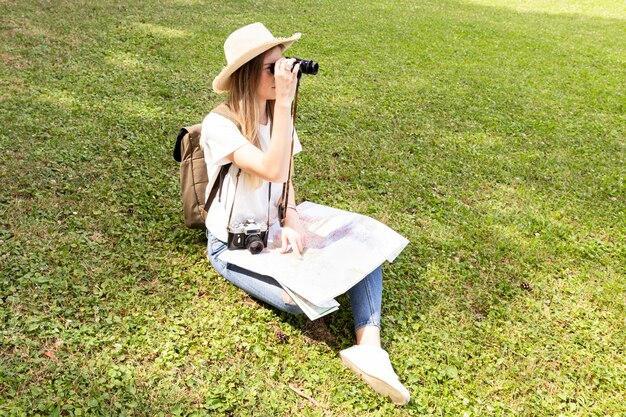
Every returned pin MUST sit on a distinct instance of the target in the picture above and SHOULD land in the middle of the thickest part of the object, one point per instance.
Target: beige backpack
(194, 178)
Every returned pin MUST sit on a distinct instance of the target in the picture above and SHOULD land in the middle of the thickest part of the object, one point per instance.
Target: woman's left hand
(293, 234)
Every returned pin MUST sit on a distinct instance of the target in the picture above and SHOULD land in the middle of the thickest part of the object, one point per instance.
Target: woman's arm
(273, 165)
(293, 232)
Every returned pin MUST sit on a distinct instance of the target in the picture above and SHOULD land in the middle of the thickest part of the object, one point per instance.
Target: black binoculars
(306, 66)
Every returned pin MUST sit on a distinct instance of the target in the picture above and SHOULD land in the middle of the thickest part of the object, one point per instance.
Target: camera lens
(254, 244)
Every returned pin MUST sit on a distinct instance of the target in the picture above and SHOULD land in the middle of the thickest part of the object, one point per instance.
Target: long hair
(242, 101)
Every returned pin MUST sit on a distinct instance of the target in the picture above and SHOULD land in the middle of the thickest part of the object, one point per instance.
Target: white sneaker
(372, 364)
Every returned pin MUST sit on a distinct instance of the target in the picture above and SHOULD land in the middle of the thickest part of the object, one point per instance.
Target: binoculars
(306, 67)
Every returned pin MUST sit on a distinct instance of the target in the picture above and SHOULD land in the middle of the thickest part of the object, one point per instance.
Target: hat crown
(244, 39)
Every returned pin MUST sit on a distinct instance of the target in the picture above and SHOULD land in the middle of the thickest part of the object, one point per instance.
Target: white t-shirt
(219, 138)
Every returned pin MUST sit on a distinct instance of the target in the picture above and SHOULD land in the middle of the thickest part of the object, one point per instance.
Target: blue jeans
(365, 297)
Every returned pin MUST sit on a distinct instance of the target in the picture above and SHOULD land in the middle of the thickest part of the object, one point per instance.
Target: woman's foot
(372, 364)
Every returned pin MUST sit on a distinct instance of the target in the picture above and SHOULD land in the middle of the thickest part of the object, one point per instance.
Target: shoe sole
(378, 385)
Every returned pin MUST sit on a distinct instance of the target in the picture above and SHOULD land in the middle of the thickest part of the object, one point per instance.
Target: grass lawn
(490, 133)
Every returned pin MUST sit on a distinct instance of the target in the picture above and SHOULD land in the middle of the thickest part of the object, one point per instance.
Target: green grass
(491, 134)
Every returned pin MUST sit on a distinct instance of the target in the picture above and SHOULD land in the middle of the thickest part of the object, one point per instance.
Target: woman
(255, 137)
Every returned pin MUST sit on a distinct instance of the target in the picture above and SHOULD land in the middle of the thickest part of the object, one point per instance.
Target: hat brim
(221, 83)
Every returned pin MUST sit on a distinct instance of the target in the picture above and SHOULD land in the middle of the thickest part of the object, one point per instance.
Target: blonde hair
(242, 101)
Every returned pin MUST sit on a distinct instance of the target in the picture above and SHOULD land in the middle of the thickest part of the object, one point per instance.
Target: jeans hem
(366, 323)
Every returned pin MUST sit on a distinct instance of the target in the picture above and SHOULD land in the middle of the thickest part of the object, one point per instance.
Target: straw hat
(244, 44)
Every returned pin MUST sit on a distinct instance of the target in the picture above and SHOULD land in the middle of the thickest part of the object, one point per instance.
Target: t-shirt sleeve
(221, 137)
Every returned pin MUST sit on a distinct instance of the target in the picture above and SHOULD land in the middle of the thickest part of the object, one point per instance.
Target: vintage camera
(306, 67)
(248, 235)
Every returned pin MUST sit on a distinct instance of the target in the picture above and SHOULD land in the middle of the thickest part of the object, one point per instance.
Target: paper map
(341, 249)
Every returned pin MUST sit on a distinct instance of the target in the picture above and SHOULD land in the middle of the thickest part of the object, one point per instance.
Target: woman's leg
(261, 287)
(366, 301)
(367, 359)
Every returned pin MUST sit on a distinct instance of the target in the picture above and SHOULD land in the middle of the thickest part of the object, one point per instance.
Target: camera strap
(284, 197)
(269, 197)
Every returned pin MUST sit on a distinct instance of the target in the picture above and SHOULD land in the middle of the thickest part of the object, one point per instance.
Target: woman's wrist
(283, 104)
(292, 213)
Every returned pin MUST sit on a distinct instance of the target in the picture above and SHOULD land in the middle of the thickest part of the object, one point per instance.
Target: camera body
(306, 67)
(248, 235)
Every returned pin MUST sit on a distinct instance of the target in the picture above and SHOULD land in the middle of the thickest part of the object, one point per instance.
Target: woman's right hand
(293, 234)
(286, 80)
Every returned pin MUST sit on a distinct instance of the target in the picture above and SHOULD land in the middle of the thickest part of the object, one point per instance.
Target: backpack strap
(216, 186)
(224, 110)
